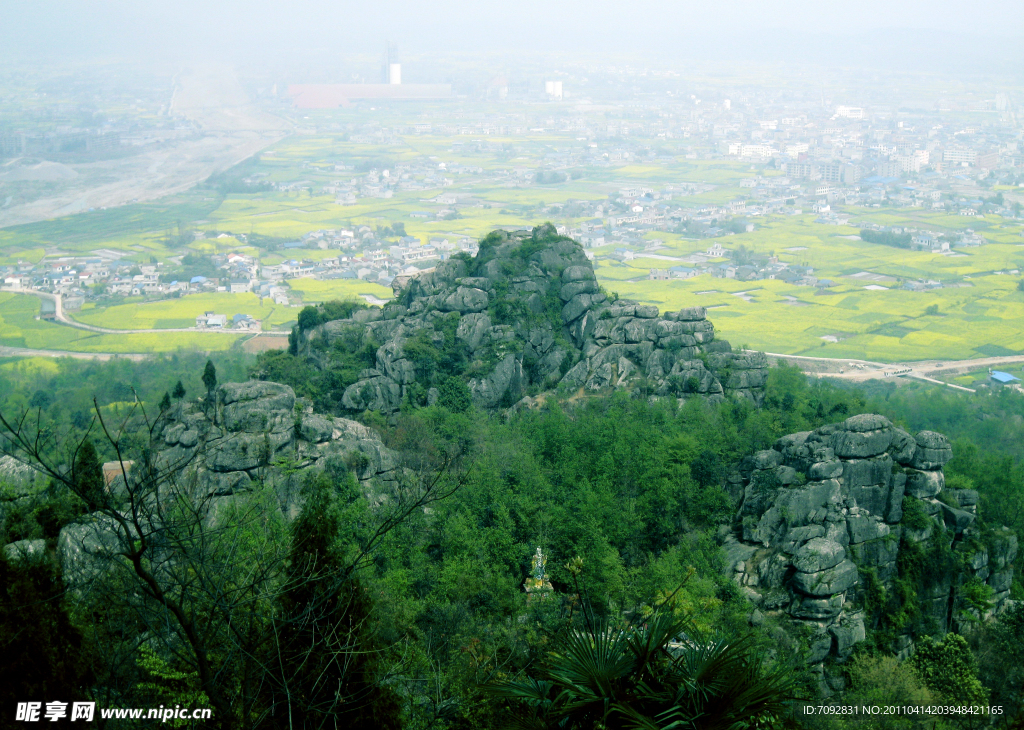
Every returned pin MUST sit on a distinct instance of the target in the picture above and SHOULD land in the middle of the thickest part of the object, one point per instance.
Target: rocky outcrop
(821, 523)
(259, 431)
(252, 437)
(526, 315)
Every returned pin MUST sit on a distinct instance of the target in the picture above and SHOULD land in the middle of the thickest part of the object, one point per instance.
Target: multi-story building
(959, 155)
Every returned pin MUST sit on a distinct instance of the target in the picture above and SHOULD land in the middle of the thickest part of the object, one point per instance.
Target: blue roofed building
(1003, 378)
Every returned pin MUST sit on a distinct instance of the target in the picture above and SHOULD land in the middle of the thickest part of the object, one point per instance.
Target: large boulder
(25, 551)
(827, 582)
(862, 436)
(933, 450)
(922, 484)
(86, 548)
(817, 554)
(254, 405)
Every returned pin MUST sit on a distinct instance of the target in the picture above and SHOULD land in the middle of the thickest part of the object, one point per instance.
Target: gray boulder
(374, 394)
(865, 527)
(827, 582)
(816, 609)
(255, 405)
(873, 553)
(860, 444)
(818, 554)
(903, 447)
(86, 548)
(849, 632)
(922, 484)
(28, 551)
(825, 470)
(933, 451)
(956, 520)
(797, 536)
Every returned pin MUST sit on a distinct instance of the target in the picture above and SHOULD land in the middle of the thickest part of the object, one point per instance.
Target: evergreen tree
(41, 648)
(87, 475)
(328, 652)
(454, 395)
(179, 391)
(949, 670)
(210, 377)
(165, 402)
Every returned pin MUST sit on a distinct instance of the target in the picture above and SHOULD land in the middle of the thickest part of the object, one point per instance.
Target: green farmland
(177, 313)
(977, 311)
(20, 328)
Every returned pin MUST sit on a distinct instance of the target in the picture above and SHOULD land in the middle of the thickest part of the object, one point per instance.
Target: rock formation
(821, 524)
(253, 434)
(525, 315)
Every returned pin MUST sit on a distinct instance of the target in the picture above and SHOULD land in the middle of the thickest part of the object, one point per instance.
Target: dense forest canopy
(624, 495)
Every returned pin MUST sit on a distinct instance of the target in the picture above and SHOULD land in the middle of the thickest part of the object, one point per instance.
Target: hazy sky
(928, 32)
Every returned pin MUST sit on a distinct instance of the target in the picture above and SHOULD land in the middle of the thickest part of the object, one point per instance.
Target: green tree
(883, 681)
(1000, 655)
(453, 394)
(210, 377)
(87, 475)
(41, 648)
(328, 654)
(165, 402)
(179, 391)
(949, 670)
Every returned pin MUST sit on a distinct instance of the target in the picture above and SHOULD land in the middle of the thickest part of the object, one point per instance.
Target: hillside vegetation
(287, 559)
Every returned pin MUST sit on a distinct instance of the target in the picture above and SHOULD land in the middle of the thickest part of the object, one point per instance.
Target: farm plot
(20, 328)
(177, 313)
(316, 290)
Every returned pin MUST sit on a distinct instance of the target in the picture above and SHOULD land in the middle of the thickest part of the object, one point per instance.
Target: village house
(210, 320)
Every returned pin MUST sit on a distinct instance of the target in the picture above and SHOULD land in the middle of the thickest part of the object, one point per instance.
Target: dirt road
(861, 370)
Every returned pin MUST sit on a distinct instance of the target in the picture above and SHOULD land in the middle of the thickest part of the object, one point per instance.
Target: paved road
(103, 356)
(63, 318)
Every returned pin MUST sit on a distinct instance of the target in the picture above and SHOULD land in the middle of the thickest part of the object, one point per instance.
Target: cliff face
(526, 315)
(831, 520)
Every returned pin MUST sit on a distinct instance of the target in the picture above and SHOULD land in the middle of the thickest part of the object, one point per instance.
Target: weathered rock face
(259, 431)
(525, 315)
(821, 515)
(254, 434)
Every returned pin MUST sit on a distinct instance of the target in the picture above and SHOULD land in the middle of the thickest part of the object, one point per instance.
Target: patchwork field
(20, 328)
(173, 313)
(865, 313)
(886, 325)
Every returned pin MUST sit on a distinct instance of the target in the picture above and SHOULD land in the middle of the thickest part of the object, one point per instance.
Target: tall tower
(391, 71)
